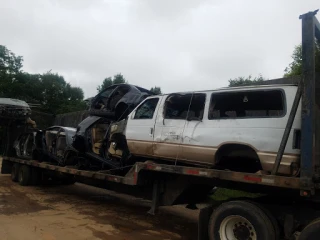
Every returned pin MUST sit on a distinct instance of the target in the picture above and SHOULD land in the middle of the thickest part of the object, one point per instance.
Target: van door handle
(151, 131)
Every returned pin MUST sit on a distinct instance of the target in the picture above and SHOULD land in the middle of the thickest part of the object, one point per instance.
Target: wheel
(69, 180)
(15, 172)
(24, 175)
(240, 220)
(272, 219)
(311, 231)
(70, 160)
(35, 176)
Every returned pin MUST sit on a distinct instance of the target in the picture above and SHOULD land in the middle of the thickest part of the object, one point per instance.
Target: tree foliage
(156, 90)
(107, 82)
(49, 90)
(245, 81)
(295, 67)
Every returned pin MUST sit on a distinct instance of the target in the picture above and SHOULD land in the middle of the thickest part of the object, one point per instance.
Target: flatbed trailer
(288, 206)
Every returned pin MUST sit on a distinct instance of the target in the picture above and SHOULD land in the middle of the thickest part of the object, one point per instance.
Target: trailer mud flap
(204, 217)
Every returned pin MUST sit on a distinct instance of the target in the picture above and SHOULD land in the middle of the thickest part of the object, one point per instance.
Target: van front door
(170, 123)
(140, 127)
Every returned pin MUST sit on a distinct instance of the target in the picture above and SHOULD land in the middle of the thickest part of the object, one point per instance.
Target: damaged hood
(13, 109)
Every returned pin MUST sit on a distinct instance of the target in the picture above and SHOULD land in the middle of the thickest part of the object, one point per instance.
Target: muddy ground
(79, 211)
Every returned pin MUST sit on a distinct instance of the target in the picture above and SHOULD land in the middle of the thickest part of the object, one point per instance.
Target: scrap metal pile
(87, 146)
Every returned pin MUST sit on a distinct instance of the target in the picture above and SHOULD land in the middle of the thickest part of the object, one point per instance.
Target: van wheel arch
(237, 157)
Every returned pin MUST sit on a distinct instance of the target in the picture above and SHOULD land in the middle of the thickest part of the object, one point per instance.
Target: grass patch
(223, 194)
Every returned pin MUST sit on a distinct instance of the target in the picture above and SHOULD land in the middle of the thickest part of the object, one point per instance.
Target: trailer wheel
(69, 180)
(15, 172)
(24, 175)
(311, 231)
(35, 176)
(272, 219)
(240, 220)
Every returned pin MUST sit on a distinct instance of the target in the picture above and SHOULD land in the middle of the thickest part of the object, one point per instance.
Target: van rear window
(247, 104)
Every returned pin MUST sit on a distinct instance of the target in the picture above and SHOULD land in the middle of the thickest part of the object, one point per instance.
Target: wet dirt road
(82, 212)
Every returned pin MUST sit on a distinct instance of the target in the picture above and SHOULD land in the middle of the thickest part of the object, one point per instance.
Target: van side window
(247, 104)
(185, 106)
(146, 110)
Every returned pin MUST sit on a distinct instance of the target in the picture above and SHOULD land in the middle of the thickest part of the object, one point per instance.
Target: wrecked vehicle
(57, 140)
(13, 110)
(25, 145)
(90, 143)
(235, 128)
(49, 145)
(91, 138)
(117, 101)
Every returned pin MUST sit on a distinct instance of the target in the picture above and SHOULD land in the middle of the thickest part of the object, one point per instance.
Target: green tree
(295, 67)
(156, 90)
(118, 79)
(59, 96)
(48, 90)
(10, 67)
(107, 82)
(246, 81)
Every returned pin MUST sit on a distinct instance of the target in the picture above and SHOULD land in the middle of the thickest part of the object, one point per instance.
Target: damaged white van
(239, 129)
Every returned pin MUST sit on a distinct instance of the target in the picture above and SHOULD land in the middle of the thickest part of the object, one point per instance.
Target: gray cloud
(178, 45)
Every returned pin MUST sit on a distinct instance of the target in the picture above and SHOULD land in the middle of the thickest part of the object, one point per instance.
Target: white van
(232, 128)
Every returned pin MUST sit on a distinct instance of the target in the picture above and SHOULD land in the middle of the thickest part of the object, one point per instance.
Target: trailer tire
(35, 176)
(311, 231)
(15, 172)
(69, 180)
(272, 219)
(240, 220)
(24, 175)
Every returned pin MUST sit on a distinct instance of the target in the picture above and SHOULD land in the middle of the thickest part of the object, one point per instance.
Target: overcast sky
(179, 45)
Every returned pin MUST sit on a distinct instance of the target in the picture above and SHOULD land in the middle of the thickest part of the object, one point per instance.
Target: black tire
(245, 219)
(69, 180)
(311, 231)
(35, 176)
(24, 175)
(15, 172)
(272, 219)
(70, 160)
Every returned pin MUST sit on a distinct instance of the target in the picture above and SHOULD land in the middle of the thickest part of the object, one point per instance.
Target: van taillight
(296, 139)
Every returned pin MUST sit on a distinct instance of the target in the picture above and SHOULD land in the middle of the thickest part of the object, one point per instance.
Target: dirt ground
(83, 212)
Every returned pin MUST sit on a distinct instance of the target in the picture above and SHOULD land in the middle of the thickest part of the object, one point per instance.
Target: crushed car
(91, 139)
(49, 145)
(25, 145)
(117, 101)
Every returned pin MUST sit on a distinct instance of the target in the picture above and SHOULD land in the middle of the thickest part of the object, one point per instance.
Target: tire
(240, 220)
(272, 219)
(311, 231)
(69, 180)
(35, 176)
(24, 175)
(15, 172)
(70, 160)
